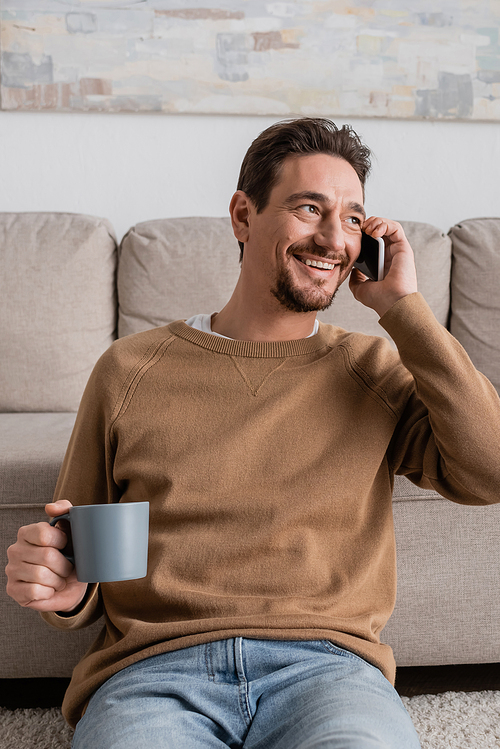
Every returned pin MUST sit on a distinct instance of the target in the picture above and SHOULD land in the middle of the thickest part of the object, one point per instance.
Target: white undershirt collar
(203, 323)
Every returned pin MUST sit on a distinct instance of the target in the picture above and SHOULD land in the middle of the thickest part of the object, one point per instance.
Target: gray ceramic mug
(110, 542)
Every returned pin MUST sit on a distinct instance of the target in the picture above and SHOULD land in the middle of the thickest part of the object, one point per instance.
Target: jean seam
(209, 662)
(243, 682)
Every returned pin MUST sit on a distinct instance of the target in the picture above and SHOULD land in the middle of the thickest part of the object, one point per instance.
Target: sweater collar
(254, 349)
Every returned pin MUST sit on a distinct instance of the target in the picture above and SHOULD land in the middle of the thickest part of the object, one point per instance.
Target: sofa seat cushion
(406, 491)
(57, 307)
(448, 608)
(32, 448)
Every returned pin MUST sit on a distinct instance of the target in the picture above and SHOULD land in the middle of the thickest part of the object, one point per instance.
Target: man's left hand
(400, 276)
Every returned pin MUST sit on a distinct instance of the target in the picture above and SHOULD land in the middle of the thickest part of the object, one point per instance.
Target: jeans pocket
(337, 650)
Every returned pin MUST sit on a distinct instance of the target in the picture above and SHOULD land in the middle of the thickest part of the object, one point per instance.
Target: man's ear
(239, 210)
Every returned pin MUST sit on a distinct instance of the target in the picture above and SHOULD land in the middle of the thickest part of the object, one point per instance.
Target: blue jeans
(252, 694)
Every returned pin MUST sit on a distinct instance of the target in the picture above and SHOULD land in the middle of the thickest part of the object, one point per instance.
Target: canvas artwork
(377, 58)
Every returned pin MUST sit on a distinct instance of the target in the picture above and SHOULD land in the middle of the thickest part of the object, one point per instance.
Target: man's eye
(309, 208)
(354, 220)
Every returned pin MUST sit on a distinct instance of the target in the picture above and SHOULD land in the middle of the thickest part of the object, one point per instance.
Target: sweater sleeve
(86, 475)
(448, 436)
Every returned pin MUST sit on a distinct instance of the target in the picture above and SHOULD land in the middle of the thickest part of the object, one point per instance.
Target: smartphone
(371, 258)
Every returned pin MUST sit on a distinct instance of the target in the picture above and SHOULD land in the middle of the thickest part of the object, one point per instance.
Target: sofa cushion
(475, 301)
(57, 307)
(448, 607)
(174, 268)
(406, 491)
(32, 448)
(171, 269)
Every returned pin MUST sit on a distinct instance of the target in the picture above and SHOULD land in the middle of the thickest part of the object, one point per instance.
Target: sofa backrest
(57, 307)
(170, 269)
(174, 268)
(58, 294)
(475, 292)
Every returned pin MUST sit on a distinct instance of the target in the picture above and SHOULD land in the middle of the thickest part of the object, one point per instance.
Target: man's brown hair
(262, 164)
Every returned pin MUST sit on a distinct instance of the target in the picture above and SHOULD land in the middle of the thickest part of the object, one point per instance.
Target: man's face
(303, 244)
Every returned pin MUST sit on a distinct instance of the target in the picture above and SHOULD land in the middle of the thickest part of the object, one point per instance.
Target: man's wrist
(67, 613)
(388, 303)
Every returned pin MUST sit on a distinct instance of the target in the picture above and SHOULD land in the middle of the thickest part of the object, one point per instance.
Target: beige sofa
(67, 290)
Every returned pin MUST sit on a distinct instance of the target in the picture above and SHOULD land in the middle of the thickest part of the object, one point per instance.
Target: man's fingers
(39, 576)
(36, 568)
(42, 535)
(44, 557)
(380, 227)
(53, 509)
(28, 585)
(375, 226)
(38, 592)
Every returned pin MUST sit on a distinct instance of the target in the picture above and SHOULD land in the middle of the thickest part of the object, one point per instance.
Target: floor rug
(456, 720)
(453, 720)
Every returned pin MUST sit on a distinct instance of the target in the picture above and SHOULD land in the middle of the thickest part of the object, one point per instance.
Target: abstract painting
(381, 58)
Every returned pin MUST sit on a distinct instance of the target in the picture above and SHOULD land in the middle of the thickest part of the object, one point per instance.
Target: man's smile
(316, 262)
(320, 265)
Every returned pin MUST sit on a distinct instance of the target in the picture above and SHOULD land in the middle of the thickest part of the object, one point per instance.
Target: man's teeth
(319, 264)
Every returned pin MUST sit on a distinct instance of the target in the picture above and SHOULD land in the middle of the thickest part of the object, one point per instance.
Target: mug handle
(53, 522)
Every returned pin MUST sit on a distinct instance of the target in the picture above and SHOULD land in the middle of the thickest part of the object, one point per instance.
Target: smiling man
(267, 444)
(298, 220)
(304, 241)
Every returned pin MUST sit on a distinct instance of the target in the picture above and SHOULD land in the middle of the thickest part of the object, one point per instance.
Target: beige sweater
(269, 468)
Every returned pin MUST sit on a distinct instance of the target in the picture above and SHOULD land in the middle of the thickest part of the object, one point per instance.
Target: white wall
(131, 168)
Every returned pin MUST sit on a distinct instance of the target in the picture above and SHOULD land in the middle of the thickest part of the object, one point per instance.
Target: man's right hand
(400, 274)
(39, 577)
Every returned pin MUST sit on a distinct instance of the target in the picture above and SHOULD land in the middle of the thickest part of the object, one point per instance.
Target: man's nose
(329, 234)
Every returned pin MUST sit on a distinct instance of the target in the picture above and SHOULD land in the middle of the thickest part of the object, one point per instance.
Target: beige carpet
(456, 720)
(453, 720)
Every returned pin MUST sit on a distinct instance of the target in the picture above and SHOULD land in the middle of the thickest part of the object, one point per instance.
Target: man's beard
(310, 299)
